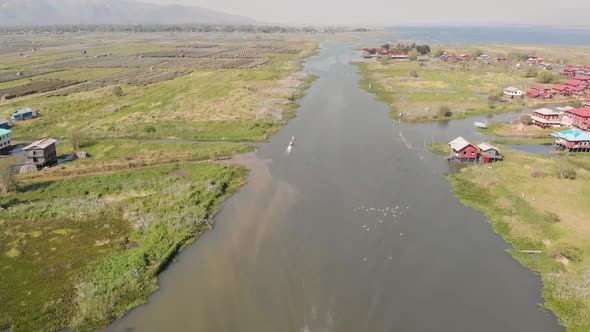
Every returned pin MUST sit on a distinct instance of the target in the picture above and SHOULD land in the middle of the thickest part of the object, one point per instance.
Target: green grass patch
(520, 197)
(123, 234)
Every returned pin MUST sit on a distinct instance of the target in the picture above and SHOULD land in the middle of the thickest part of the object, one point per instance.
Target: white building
(4, 138)
(512, 92)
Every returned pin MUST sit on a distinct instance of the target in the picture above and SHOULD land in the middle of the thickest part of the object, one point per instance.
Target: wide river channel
(355, 229)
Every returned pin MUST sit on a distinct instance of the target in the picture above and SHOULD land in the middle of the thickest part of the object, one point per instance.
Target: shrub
(414, 74)
(536, 173)
(526, 120)
(545, 77)
(570, 252)
(445, 111)
(7, 179)
(150, 130)
(565, 169)
(552, 217)
(118, 91)
(531, 72)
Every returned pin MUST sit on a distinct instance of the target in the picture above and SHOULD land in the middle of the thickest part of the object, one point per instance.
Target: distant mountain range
(50, 12)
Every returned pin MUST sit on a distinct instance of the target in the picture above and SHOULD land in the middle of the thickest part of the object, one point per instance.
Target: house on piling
(577, 117)
(545, 118)
(572, 140)
(41, 153)
(4, 123)
(561, 90)
(460, 149)
(4, 139)
(512, 92)
(539, 91)
(23, 114)
(489, 153)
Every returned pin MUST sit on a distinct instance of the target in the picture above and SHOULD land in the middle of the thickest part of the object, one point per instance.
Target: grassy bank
(83, 242)
(424, 91)
(529, 203)
(420, 90)
(121, 230)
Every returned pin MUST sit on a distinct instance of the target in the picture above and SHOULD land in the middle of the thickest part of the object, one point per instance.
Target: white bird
(400, 234)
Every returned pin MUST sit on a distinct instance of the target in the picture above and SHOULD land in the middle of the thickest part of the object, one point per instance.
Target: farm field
(436, 90)
(153, 112)
(236, 90)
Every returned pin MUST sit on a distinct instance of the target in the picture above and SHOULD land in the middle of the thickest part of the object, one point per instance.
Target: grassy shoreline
(519, 199)
(130, 208)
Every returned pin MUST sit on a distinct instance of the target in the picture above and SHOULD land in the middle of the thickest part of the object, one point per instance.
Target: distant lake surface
(495, 35)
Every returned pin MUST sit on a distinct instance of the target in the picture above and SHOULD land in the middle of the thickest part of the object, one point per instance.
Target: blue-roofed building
(572, 140)
(4, 123)
(22, 114)
(4, 138)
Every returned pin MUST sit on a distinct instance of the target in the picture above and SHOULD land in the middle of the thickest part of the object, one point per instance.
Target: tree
(526, 120)
(7, 180)
(438, 53)
(423, 49)
(386, 46)
(477, 53)
(518, 56)
(413, 55)
(118, 91)
(445, 111)
(75, 139)
(545, 77)
(531, 72)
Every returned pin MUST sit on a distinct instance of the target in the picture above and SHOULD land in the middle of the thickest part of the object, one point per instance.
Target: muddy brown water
(354, 230)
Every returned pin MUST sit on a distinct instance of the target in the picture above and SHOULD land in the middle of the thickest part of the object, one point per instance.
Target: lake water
(494, 35)
(354, 230)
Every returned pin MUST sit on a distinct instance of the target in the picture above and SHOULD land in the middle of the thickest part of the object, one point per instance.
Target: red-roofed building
(584, 78)
(570, 70)
(577, 83)
(463, 57)
(539, 91)
(534, 60)
(578, 117)
(383, 52)
(576, 90)
(561, 90)
(400, 56)
(586, 102)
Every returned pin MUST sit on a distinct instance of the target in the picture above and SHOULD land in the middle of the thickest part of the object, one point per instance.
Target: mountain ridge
(65, 12)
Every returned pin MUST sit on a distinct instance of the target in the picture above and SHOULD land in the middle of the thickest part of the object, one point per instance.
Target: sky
(403, 12)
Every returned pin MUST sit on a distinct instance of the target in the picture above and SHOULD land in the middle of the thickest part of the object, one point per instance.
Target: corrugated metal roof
(41, 144)
(546, 111)
(572, 135)
(459, 143)
(487, 147)
(4, 131)
(24, 110)
(3, 120)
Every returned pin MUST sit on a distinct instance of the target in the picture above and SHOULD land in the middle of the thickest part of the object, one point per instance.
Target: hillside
(49, 12)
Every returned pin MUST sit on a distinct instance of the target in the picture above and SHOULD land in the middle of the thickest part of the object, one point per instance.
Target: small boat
(481, 125)
(292, 141)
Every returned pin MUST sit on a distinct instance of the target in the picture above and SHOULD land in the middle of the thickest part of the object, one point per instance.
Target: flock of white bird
(382, 214)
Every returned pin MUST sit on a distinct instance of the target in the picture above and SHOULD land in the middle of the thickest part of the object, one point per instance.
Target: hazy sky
(542, 12)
